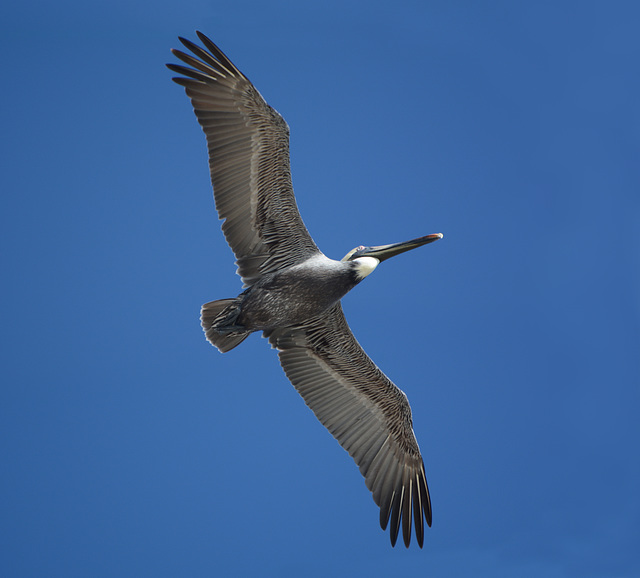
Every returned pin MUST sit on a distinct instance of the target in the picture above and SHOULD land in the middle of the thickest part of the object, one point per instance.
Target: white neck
(365, 265)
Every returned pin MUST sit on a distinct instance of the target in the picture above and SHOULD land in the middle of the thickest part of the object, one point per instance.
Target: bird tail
(218, 320)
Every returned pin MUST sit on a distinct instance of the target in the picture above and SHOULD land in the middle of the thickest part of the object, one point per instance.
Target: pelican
(292, 291)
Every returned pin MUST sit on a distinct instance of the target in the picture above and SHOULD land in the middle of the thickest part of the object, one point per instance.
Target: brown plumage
(293, 291)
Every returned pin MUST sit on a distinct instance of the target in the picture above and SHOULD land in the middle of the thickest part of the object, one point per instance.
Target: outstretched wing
(362, 408)
(249, 160)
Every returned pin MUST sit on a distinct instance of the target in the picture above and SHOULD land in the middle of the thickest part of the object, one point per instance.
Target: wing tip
(409, 505)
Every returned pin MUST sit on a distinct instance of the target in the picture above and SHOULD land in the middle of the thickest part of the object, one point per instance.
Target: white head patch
(365, 265)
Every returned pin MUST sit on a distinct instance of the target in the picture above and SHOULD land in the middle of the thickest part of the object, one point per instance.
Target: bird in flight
(292, 291)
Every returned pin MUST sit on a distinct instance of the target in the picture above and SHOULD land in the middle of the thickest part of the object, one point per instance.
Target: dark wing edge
(248, 144)
(362, 408)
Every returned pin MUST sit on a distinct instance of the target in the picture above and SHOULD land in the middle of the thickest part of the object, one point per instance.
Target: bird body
(293, 291)
(294, 294)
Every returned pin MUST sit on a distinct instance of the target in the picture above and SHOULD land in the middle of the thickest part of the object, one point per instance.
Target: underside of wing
(368, 415)
(248, 145)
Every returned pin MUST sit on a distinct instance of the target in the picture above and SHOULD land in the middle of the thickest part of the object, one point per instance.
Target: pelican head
(367, 258)
(382, 252)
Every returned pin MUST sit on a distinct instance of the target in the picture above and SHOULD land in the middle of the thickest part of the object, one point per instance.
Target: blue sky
(130, 447)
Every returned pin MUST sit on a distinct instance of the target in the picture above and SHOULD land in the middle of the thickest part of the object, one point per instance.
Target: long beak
(383, 252)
